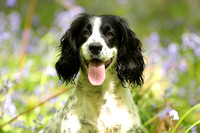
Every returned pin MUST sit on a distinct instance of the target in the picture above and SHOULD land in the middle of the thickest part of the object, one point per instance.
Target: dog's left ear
(130, 63)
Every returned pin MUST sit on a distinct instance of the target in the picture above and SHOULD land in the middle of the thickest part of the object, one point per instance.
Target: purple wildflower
(173, 113)
(153, 41)
(9, 106)
(63, 19)
(153, 44)
(4, 36)
(164, 113)
(187, 41)
(52, 110)
(40, 117)
(194, 129)
(192, 41)
(183, 66)
(37, 91)
(75, 11)
(168, 64)
(15, 21)
(197, 51)
(173, 49)
(20, 124)
(155, 57)
(10, 3)
(7, 83)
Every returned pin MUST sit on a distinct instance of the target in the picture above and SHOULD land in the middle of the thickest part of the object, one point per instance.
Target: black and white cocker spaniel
(103, 56)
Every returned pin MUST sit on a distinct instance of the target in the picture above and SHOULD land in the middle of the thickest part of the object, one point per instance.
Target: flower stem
(150, 120)
(171, 120)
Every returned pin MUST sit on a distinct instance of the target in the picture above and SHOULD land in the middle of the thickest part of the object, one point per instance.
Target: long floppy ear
(130, 63)
(69, 63)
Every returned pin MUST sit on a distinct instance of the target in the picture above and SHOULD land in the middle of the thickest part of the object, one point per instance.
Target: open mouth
(97, 70)
(97, 61)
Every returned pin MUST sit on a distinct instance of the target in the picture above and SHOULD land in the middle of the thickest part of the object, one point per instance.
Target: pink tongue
(96, 73)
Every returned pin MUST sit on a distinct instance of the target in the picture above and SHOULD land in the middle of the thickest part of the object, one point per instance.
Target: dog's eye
(86, 34)
(110, 35)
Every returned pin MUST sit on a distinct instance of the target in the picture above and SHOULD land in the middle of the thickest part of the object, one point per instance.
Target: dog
(103, 57)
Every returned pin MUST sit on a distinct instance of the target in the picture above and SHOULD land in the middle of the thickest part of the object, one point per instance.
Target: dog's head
(99, 43)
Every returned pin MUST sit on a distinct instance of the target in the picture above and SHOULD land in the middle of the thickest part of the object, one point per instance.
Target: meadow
(30, 32)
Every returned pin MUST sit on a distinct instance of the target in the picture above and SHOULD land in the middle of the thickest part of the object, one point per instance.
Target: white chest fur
(114, 114)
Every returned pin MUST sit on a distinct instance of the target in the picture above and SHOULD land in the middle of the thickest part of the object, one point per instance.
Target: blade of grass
(183, 117)
(198, 122)
(150, 120)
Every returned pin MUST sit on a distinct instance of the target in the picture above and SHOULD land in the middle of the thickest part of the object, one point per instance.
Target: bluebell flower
(164, 113)
(155, 50)
(52, 110)
(183, 66)
(169, 64)
(37, 90)
(10, 3)
(9, 107)
(4, 36)
(168, 92)
(15, 21)
(187, 41)
(197, 51)
(194, 129)
(174, 114)
(173, 49)
(7, 83)
(63, 19)
(40, 117)
(20, 124)
(192, 41)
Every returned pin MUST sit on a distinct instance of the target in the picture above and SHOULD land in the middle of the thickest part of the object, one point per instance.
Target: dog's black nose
(95, 48)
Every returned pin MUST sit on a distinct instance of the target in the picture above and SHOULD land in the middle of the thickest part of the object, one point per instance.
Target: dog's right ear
(68, 64)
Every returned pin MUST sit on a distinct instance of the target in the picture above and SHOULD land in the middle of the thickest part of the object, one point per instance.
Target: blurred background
(30, 32)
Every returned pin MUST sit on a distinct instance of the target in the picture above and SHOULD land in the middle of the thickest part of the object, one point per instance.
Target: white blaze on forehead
(96, 26)
(96, 35)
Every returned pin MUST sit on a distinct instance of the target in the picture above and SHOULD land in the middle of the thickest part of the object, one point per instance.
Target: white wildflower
(173, 113)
